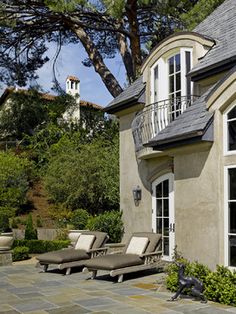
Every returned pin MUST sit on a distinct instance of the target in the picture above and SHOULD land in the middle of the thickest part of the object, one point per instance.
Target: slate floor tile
(73, 309)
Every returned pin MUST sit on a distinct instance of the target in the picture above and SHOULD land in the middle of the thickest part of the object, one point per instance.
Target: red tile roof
(73, 78)
(9, 90)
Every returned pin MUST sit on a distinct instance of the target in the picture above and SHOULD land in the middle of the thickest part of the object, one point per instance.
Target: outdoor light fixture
(137, 194)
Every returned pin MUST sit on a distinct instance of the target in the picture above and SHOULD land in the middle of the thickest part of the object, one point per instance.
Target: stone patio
(23, 289)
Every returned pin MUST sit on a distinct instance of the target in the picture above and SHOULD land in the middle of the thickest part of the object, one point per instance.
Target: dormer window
(168, 76)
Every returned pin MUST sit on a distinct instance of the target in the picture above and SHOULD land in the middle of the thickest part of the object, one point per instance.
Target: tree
(27, 110)
(192, 18)
(84, 175)
(103, 27)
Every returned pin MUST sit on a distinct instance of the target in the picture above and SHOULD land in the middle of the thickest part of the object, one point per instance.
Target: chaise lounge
(89, 245)
(142, 252)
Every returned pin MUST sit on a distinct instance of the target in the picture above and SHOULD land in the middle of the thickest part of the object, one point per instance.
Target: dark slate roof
(134, 93)
(192, 123)
(219, 25)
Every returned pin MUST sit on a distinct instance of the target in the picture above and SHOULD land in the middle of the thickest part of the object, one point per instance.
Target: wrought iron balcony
(155, 117)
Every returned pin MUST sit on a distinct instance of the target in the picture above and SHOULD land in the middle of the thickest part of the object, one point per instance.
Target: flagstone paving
(24, 289)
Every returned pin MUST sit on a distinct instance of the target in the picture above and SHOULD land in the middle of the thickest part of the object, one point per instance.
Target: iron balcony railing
(155, 117)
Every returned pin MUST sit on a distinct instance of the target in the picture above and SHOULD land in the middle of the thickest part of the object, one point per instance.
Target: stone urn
(6, 241)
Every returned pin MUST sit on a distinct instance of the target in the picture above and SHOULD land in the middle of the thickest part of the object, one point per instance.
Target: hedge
(41, 246)
(20, 253)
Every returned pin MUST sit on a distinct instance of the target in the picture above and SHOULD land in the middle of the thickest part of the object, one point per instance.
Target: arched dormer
(165, 69)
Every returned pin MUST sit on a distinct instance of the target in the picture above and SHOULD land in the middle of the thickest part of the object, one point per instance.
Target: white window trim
(226, 216)
(225, 132)
(163, 89)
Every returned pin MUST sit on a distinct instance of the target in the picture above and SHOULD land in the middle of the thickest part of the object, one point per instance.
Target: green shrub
(30, 231)
(109, 222)
(39, 222)
(219, 286)
(79, 218)
(42, 246)
(14, 180)
(20, 253)
(4, 222)
(85, 175)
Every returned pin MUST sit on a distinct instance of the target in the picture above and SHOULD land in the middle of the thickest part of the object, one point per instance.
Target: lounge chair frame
(94, 252)
(150, 261)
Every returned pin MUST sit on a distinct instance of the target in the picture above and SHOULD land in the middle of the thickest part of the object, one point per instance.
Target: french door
(163, 213)
(230, 216)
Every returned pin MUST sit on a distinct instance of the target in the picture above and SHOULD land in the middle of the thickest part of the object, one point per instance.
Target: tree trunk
(107, 77)
(126, 57)
(131, 11)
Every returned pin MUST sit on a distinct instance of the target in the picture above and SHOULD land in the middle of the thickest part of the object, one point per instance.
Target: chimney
(73, 87)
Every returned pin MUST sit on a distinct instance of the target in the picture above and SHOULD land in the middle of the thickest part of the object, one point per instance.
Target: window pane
(155, 82)
(166, 188)
(232, 184)
(188, 68)
(159, 207)
(232, 217)
(232, 113)
(171, 65)
(166, 245)
(172, 84)
(159, 225)
(232, 135)
(166, 226)
(166, 208)
(159, 190)
(178, 82)
(177, 62)
(232, 251)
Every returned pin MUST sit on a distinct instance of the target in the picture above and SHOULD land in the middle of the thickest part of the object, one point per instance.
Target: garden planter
(6, 241)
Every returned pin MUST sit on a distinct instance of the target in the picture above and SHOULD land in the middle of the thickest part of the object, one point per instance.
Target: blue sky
(69, 63)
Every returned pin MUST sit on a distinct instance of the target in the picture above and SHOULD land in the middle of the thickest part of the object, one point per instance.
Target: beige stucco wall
(198, 180)
(135, 172)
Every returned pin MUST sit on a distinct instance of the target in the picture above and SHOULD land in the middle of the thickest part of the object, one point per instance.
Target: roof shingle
(219, 25)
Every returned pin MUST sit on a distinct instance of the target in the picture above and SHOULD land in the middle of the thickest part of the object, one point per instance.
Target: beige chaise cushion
(113, 261)
(137, 245)
(63, 256)
(85, 242)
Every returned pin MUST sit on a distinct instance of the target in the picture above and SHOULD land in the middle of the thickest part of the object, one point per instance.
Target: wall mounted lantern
(137, 194)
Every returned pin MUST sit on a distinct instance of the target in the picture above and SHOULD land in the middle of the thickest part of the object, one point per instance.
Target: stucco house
(178, 142)
(72, 88)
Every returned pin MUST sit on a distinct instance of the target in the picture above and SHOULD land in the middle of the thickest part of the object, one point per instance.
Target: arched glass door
(163, 213)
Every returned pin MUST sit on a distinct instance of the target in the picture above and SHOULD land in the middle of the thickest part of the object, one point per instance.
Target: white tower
(73, 88)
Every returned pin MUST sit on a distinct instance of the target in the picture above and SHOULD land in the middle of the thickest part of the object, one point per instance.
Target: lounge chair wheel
(45, 268)
(94, 274)
(68, 270)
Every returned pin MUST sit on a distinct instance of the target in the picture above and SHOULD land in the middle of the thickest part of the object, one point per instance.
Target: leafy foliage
(42, 246)
(27, 111)
(4, 222)
(196, 15)
(20, 253)
(15, 176)
(219, 286)
(30, 231)
(104, 28)
(110, 222)
(84, 175)
(79, 218)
